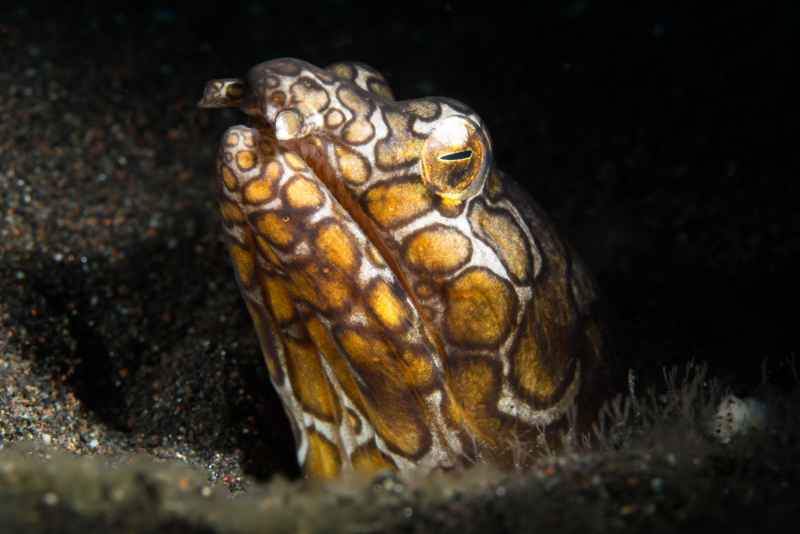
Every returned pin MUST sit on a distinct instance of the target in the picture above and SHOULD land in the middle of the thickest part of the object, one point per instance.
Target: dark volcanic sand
(658, 140)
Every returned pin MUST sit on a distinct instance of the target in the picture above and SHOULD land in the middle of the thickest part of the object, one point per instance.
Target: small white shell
(736, 417)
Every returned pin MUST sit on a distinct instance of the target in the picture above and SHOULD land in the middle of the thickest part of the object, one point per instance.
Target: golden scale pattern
(415, 309)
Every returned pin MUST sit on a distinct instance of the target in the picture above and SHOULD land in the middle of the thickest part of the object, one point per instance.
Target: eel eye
(455, 158)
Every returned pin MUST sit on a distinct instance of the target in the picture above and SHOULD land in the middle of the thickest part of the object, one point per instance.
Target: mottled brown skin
(415, 308)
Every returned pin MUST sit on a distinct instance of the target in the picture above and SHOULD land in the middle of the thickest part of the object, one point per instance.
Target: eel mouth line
(317, 160)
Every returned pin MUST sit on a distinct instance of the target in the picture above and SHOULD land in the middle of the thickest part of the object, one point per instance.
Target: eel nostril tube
(222, 93)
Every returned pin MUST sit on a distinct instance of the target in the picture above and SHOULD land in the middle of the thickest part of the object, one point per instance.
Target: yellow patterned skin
(416, 310)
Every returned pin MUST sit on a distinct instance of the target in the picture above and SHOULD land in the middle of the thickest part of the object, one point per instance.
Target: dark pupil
(456, 156)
